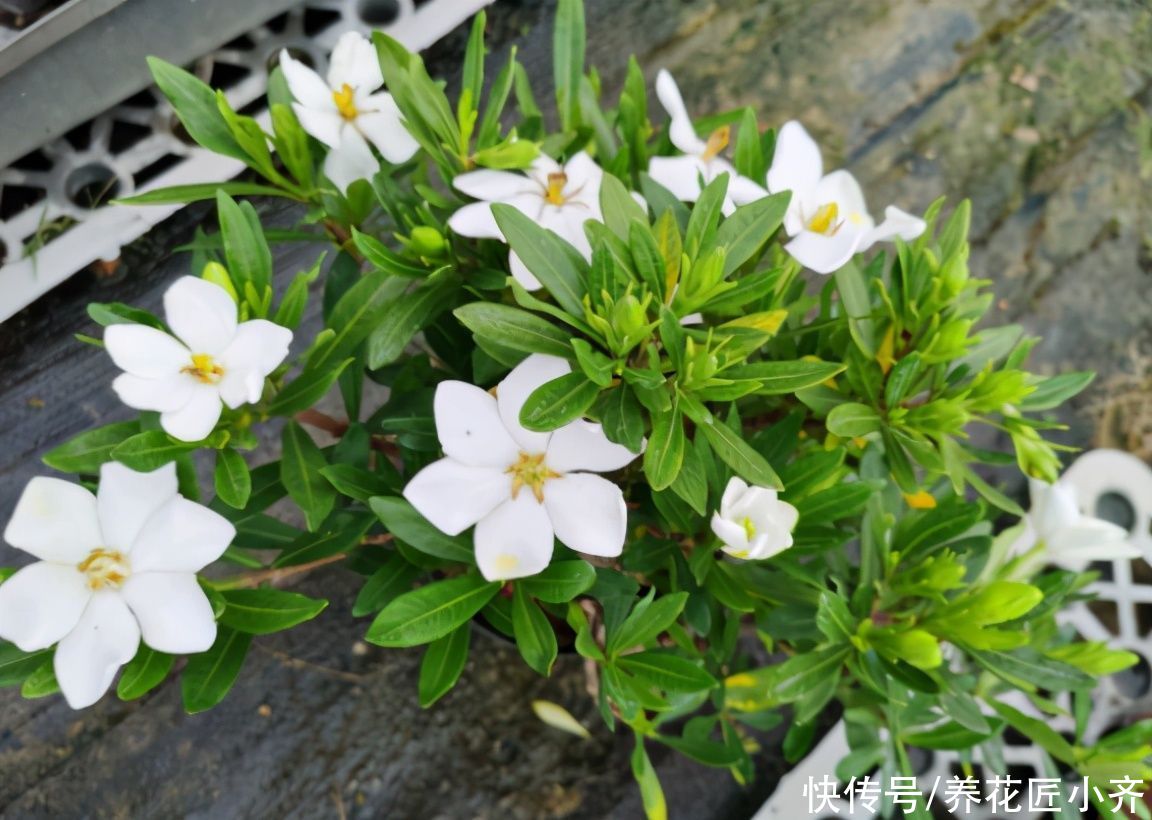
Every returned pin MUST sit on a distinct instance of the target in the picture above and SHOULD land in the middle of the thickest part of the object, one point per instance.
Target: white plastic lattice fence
(48, 227)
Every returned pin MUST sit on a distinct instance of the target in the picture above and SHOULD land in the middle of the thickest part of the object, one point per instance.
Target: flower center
(825, 220)
(344, 102)
(554, 195)
(105, 568)
(530, 471)
(717, 142)
(749, 528)
(204, 369)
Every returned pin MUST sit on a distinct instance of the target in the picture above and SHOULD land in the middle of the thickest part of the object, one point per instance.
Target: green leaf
(513, 328)
(358, 312)
(551, 259)
(705, 216)
(184, 194)
(41, 683)
(558, 402)
(560, 581)
(209, 676)
(340, 534)
(300, 469)
(87, 451)
(836, 502)
(948, 735)
(431, 612)
(246, 249)
(232, 479)
(117, 313)
(568, 40)
(665, 452)
(410, 313)
(356, 482)
(834, 619)
(1029, 669)
(620, 210)
(739, 455)
(195, 105)
(306, 389)
(1055, 390)
(443, 661)
(852, 420)
(749, 154)
(535, 637)
(16, 665)
(264, 611)
(783, 377)
(385, 584)
(852, 285)
(1037, 731)
(621, 417)
(403, 521)
(747, 230)
(668, 671)
(143, 673)
(647, 621)
(149, 451)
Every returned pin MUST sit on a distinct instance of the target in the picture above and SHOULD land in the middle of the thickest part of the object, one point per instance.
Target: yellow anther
(825, 219)
(749, 528)
(344, 102)
(204, 369)
(105, 568)
(530, 471)
(921, 500)
(717, 141)
(555, 193)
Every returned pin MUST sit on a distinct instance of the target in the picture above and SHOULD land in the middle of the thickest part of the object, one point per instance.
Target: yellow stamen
(530, 471)
(344, 102)
(105, 568)
(920, 500)
(825, 220)
(749, 528)
(204, 369)
(555, 193)
(717, 142)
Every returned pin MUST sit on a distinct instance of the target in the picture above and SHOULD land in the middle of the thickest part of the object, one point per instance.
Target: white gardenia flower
(520, 488)
(1056, 532)
(701, 161)
(114, 567)
(827, 217)
(752, 522)
(346, 112)
(560, 198)
(213, 358)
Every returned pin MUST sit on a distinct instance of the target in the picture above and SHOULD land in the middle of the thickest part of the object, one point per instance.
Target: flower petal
(733, 492)
(797, 165)
(680, 175)
(55, 520)
(588, 513)
(680, 128)
(41, 604)
(1089, 539)
(469, 427)
(306, 85)
(521, 274)
(201, 314)
(181, 536)
(173, 611)
(897, 223)
(161, 395)
(351, 160)
(126, 499)
(584, 178)
(475, 220)
(454, 496)
(492, 186)
(734, 536)
(514, 540)
(582, 445)
(145, 351)
(196, 419)
(88, 658)
(383, 125)
(257, 349)
(515, 389)
(326, 126)
(824, 254)
(743, 190)
(354, 62)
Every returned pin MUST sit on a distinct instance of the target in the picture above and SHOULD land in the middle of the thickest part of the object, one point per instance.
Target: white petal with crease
(588, 513)
(514, 540)
(55, 520)
(582, 445)
(196, 419)
(41, 604)
(181, 536)
(161, 395)
(105, 639)
(172, 610)
(126, 499)
(469, 427)
(517, 386)
(201, 314)
(145, 351)
(454, 496)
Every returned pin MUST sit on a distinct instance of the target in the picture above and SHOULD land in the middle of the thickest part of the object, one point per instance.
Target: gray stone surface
(1035, 109)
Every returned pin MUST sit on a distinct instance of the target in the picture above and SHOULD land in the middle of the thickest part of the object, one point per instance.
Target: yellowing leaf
(884, 355)
(767, 321)
(560, 718)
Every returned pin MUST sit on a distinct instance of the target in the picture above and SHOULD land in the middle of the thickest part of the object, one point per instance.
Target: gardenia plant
(654, 397)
